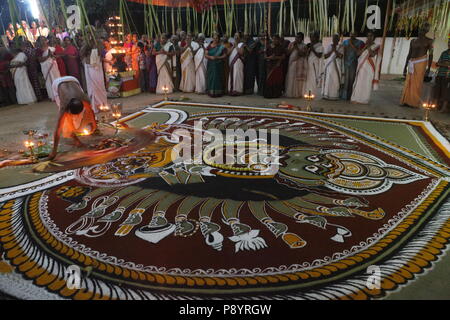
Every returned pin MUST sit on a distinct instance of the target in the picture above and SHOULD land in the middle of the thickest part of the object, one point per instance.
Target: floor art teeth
(328, 199)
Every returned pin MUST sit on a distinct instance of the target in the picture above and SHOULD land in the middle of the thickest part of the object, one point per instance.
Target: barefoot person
(75, 112)
(418, 64)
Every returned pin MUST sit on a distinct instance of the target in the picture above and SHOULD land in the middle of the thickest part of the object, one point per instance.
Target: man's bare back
(420, 47)
(68, 91)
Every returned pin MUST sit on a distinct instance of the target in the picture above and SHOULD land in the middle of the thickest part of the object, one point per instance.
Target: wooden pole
(383, 41)
(269, 20)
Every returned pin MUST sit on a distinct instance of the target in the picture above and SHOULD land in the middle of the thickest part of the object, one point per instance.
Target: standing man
(351, 51)
(417, 64)
(442, 87)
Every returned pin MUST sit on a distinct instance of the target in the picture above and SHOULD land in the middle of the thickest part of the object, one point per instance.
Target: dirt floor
(385, 103)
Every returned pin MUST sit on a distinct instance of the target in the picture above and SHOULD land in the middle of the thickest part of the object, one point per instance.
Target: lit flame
(29, 144)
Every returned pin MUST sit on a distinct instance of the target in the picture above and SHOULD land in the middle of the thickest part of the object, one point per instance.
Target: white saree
(332, 75)
(25, 92)
(187, 83)
(95, 81)
(315, 68)
(200, 69)
(236, 77)
(366, 78)
(166, 70)
(297, 72)
(50, 71)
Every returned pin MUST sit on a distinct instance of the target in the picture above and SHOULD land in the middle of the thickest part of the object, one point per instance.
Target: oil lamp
(428, 106)
(30, 144)
(166, 91)
(309, 97)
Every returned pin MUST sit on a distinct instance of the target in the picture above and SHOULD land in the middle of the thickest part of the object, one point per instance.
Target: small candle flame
(28, 144)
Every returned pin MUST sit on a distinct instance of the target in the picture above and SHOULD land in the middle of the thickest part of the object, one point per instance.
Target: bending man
(75, 112)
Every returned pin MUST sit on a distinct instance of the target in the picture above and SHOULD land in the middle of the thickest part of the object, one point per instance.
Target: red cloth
(60, 61)
(73, 62)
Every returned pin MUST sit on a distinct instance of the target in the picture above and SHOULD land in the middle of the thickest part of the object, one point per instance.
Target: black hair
(301, 34)
(75, 106)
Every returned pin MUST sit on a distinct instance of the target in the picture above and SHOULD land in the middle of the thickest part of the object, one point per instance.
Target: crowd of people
(269, 66)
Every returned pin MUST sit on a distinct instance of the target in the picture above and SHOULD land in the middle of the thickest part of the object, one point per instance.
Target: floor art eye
(303, 220)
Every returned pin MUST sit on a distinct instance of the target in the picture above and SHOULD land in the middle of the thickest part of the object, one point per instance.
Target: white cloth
(43, 31)
(95, 81)
(29, 35)
(200, 69)
(25, 92)
(315, 69)
(165, 66)
(365, 79)
(236, 78)
(50, 71)
(332, 75)
(411, 64)
(187, 83)
(55, 87)
(108, 56)
(297, 72)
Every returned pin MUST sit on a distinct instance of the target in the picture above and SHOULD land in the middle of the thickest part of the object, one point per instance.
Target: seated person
(75, 112)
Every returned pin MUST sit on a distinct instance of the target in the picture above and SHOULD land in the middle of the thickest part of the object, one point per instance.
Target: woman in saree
(150, 64)
(165, 64)
(49, 66)
(366, 73)
(236, 62)
(135, 52)
(216, 55)
(298, 67)
(226, 68)
(25, 94)
(32, 67)
(200, 65)
(332, 74)
(72, 59)
(59, 54)
(275, 55)
(187, 83)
